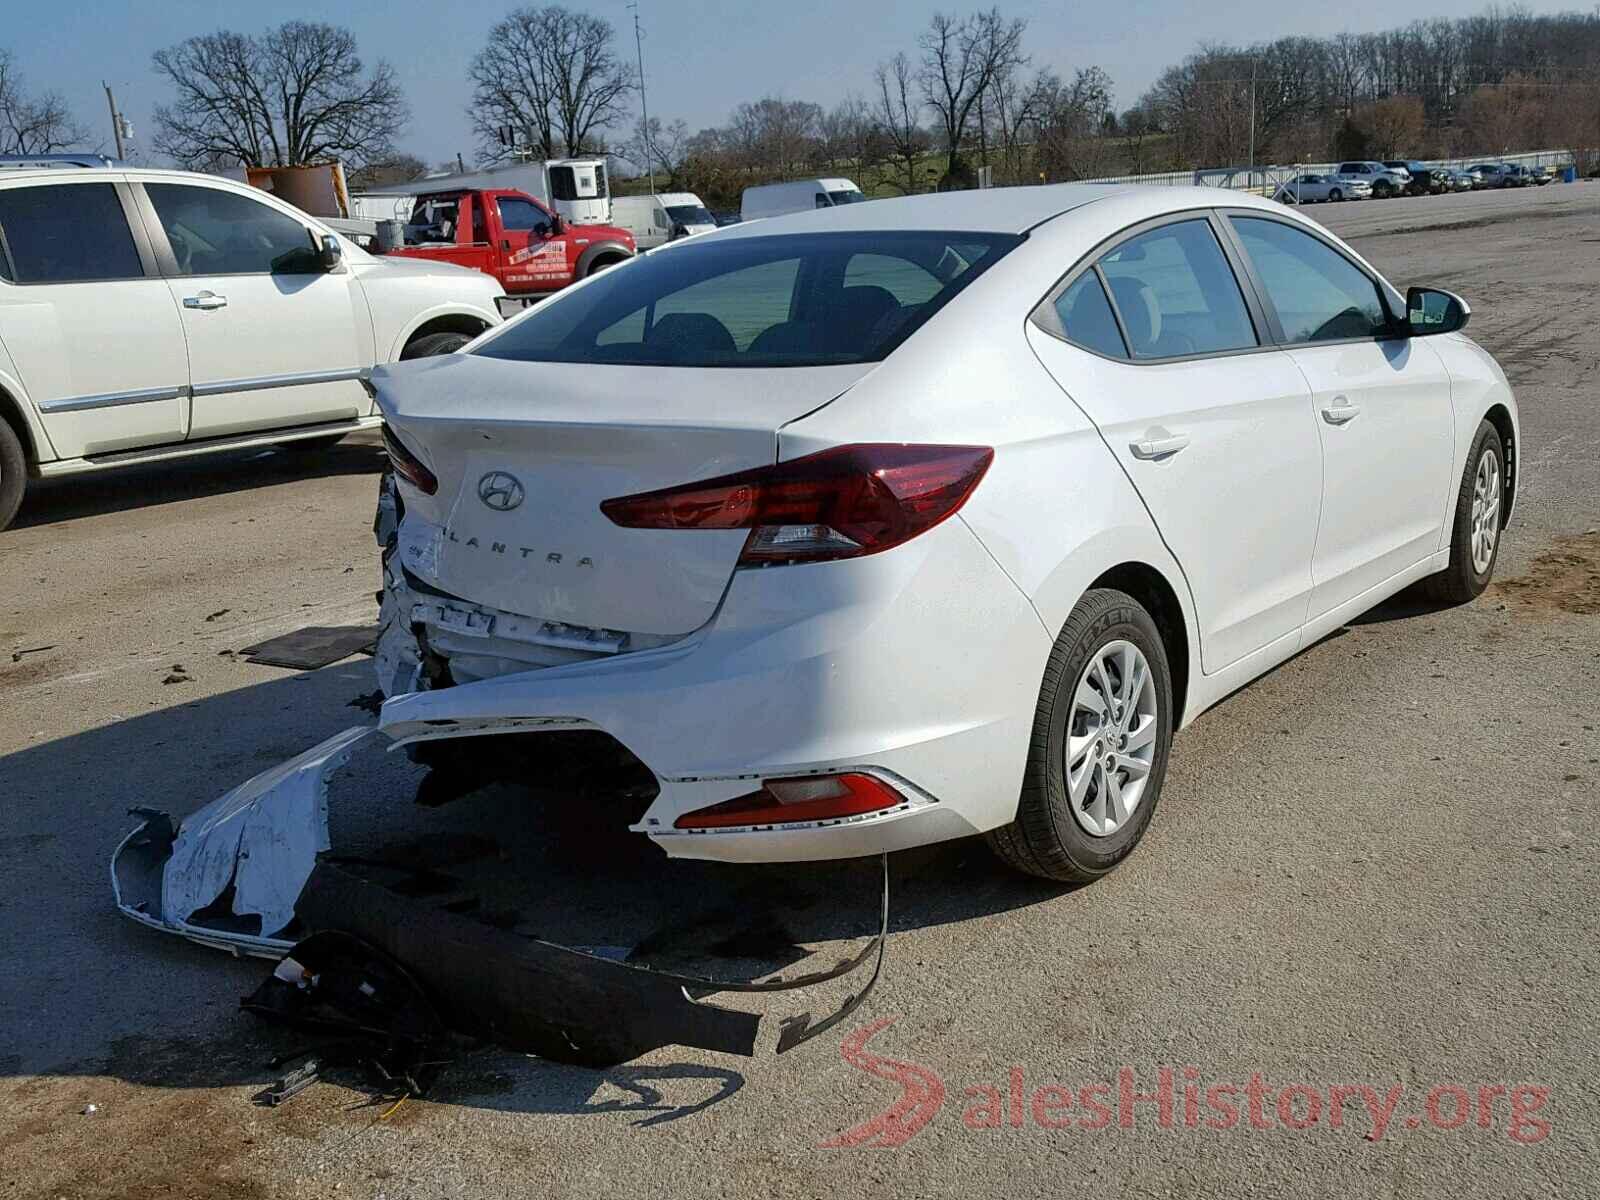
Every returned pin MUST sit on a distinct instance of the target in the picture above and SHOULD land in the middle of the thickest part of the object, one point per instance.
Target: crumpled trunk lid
(526, 452)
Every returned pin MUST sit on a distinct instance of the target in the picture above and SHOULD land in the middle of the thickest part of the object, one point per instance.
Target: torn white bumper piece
(260, 841)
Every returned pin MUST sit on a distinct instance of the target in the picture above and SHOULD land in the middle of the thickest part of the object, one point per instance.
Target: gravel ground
(1374, 868)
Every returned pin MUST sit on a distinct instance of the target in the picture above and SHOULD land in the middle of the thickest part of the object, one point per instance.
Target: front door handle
(1340, 411)
(205, 300)
(1157, 448)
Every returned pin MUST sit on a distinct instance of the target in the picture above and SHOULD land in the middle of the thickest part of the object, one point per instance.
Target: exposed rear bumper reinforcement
(247, 874)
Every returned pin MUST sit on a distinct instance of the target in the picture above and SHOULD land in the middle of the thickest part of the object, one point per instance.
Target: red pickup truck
(512, 236)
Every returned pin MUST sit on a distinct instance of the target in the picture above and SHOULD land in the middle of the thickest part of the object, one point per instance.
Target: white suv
(147, 315)
(1385, 181)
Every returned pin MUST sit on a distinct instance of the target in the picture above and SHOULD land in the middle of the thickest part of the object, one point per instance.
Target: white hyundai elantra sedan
(862, 529)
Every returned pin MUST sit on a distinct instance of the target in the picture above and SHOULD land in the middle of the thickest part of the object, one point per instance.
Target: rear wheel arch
(11, 413)
(1160, 599)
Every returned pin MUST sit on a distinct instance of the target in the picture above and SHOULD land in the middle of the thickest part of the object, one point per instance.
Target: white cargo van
(800, 195)
(654, 220)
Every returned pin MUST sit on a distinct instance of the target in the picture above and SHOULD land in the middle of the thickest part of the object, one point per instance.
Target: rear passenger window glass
(217, 232)
(1086, 317)
(68, 233)
(1319, 294)
(1176, 293)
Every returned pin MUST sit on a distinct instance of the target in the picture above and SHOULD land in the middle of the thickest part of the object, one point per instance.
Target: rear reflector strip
(786, 801)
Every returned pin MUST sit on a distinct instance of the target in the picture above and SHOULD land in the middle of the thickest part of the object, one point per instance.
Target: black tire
(1335, 195)
(1046, 837)
(600, 264)
(434, 343)
(1461, 581)
(13, 473)
(1382, 190)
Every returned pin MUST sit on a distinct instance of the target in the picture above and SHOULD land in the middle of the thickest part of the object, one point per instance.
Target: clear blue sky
(701, 56)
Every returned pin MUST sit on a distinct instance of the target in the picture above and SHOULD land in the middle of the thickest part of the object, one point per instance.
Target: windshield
(784, 301)
(689, 214)
(850, 196)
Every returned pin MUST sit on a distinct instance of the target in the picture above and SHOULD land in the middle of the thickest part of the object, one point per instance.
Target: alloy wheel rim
(1485, 511)
(1111, 738)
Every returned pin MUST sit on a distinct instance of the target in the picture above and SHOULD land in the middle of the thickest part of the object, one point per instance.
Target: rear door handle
(205, 300)
(1159, 447)
(1340, 411)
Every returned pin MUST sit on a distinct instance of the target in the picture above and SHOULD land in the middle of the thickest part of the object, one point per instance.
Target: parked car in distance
(1417, 172)
(800, 195)
(532, 250)
(655, 220)
(1539, 176)
(1449, 179)
(1313, 189)
(1384, 181)
(150, 315)
(1494, 175)
(726, 216)
(833, 607)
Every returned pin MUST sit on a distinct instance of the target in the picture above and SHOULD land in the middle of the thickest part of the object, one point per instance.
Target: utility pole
(116, 118)
(1252, 118)
(644, 105)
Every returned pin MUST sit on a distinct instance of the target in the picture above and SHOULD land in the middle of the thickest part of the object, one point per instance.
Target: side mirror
(1433, 310)
(331, 254)
(557, 225)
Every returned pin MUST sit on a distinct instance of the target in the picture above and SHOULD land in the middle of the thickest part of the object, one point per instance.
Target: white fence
(1280, 171)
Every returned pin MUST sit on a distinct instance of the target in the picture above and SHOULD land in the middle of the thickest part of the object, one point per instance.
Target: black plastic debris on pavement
(313, 647)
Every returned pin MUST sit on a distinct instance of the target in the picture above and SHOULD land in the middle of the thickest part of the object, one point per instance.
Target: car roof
(988, 210)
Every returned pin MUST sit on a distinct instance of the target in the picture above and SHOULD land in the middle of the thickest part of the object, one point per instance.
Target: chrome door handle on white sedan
(1159, 447)
(206, 300)
(1340, 411)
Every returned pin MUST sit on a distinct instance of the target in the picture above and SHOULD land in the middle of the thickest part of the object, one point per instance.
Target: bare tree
(398, 168)
(896, 112)
(960, 59)
(33, 124)
(663, 148)
(297, 94)
(553, 76)
(1392, 125)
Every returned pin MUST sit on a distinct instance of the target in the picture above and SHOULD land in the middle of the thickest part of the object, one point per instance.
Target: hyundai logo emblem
(500, 491)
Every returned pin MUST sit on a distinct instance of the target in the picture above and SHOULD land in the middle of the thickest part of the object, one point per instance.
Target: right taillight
(840, 503)
(408, 466)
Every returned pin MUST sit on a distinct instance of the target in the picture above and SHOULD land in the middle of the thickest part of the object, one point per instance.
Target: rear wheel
(13, 473)
(1382, 190)
(434, 343)
(1101, 735)
(1479, 517)
(1335, 195)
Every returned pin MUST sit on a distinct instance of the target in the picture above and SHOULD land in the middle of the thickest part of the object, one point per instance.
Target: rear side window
(216, 232)
(1176, 293)
(781, 301)
(1086, 317)
(68, 233)
(1319, 294)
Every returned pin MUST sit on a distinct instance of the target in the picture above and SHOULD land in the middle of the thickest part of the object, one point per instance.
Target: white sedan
(856, 530)
(1313, 189)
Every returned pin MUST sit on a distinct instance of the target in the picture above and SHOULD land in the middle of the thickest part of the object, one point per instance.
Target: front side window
(1176, 293)
(821, 201)
(1319, 294)
(521, 215)
(780, 301)
(847, 196)
(213, 232)
(70, 233)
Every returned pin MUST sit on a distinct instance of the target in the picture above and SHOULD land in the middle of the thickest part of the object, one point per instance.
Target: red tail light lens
(840, 503)
(812, 798)
(408, 466)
